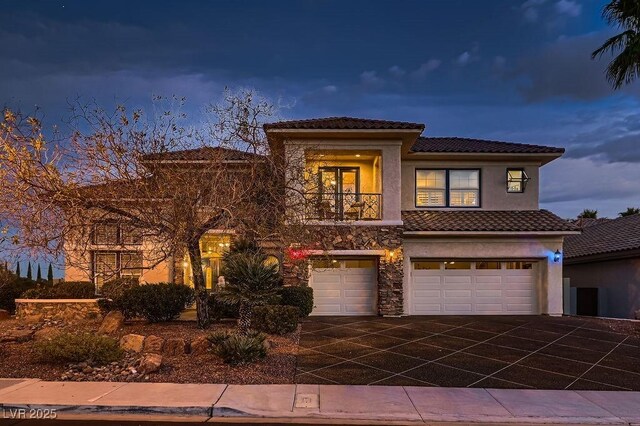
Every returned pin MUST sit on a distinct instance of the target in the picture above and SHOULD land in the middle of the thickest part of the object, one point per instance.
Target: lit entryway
(344, 286)
(473, 288)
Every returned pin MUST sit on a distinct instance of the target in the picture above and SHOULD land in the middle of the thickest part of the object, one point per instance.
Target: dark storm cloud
(564, 69)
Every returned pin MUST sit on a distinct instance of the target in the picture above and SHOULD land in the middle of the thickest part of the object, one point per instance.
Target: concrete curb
(347, 404)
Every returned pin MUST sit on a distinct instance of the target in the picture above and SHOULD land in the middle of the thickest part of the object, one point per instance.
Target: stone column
(390, 288)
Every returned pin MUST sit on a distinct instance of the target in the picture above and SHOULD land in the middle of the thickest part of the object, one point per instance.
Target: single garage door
(344, 286)
(473, 288)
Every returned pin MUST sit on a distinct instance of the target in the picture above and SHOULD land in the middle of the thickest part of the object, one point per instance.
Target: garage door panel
(469, 291)
(344, 290)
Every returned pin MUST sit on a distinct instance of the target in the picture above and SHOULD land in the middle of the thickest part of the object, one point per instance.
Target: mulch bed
(17, 359)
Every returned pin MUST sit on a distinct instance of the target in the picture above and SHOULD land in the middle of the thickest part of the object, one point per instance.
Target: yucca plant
(249, 282)
(242, 349)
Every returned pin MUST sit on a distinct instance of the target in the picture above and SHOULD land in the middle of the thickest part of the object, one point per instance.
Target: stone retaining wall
(67, 310)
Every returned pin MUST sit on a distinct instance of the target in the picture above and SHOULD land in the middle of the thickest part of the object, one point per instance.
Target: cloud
(371, 79)
(397, 72)
(426, 68)
(568, 7)
(464, 58)
(530, 10)
(564, 69)
(330, 89)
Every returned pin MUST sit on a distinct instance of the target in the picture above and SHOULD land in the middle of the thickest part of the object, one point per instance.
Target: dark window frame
(119, 234)
(118, 269)
(447, 197)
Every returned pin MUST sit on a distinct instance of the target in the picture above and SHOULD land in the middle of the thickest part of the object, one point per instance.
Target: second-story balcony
(341, 206)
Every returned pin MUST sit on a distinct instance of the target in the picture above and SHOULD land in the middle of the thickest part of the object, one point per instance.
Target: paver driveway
(465, 351)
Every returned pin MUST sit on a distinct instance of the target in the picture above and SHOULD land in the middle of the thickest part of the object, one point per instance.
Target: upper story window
(516, 180)
(114, 233)
(447, 188)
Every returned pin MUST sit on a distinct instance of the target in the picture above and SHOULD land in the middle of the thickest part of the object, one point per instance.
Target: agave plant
(250, 281)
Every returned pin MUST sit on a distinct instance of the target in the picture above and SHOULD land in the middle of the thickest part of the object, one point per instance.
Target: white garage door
(344, 286)
(473, 288)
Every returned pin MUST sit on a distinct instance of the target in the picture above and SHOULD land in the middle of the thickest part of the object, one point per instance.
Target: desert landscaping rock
(153, 344)
(200, 346)
(72, 310)
(132, 343)
(46, 333)
(150, 363)
(174, 346)
(127, 370)
(4, 315)
(111, 323)
(16, 335)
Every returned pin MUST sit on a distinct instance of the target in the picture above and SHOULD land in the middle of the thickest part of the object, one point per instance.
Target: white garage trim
(492, 290)
(344, 286)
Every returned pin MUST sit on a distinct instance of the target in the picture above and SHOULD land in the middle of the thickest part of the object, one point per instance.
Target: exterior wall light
(556, 256)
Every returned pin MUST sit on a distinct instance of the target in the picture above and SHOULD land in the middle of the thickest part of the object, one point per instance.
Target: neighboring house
(603, 268)
(402, 224)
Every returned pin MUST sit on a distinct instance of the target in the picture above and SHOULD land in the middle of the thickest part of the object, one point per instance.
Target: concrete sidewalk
(319, 403)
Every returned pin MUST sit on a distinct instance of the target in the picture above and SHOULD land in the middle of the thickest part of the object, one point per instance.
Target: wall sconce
(390, 255)
(556, 256)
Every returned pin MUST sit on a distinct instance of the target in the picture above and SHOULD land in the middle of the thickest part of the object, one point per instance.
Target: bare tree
(164, 181)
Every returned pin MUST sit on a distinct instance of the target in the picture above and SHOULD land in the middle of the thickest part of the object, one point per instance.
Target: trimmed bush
(239, 349)
(155, 302)
(219, 309)
(115, 288)
(63, 290)
(275, 319)
(85, 347)
(11, 288)
(300, 297)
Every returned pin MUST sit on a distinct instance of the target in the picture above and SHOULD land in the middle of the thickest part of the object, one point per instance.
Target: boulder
(16, 335)
(174, 346)
(150, 363)
(153, 344)
(111, 323)
(46, 333)
(200, 346)
(132, 342)
(4, 315)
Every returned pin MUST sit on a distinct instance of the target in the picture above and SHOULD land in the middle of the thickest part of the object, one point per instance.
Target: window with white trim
(447, 188)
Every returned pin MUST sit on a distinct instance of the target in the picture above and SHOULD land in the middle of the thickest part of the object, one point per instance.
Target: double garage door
(473, 288)
(344, 286)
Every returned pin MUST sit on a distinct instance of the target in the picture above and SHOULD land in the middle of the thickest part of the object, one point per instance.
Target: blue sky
(509, 70)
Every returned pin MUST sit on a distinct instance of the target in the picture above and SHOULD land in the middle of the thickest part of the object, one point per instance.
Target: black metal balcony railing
(343, 206)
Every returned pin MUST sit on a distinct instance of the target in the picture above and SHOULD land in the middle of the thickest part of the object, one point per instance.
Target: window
(516, 180)
(420, 266)
(114, 233)
(448, 188)
(359, 264)
(457, 265)
(487, 265)
(325, 264)
(108, 265)
(519, 265)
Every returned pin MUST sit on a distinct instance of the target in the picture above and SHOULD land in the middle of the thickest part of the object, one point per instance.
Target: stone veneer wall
(67, 310)
(351, 237)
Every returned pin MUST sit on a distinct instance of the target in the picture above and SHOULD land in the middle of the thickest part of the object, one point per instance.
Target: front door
(339, 190)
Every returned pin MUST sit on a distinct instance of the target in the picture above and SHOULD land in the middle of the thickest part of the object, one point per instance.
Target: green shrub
(219, 309)
(63, 290)
(11, 288)
(300, 297)
(242, 349)
(85, 347)
(275, 319)
(155, 302)
(217, 337)
(115, 288)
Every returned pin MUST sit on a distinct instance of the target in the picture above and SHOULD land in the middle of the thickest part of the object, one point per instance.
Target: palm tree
(588, 214)
(630, 211)
(625, 14)
(249, 282)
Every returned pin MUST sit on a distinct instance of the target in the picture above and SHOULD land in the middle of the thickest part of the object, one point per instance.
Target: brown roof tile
(344, 123)
(453, 144)
(206, 153)
(484, 221)
(607, 237)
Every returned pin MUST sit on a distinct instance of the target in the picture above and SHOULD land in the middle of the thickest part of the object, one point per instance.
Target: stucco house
(602, 265)
(405, 224)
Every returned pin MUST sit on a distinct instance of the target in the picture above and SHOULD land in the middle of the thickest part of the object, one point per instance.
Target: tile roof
(344, 123)
(453, 144)
(206, 153)
(607, 237)
(584, 222)
(484, 221)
